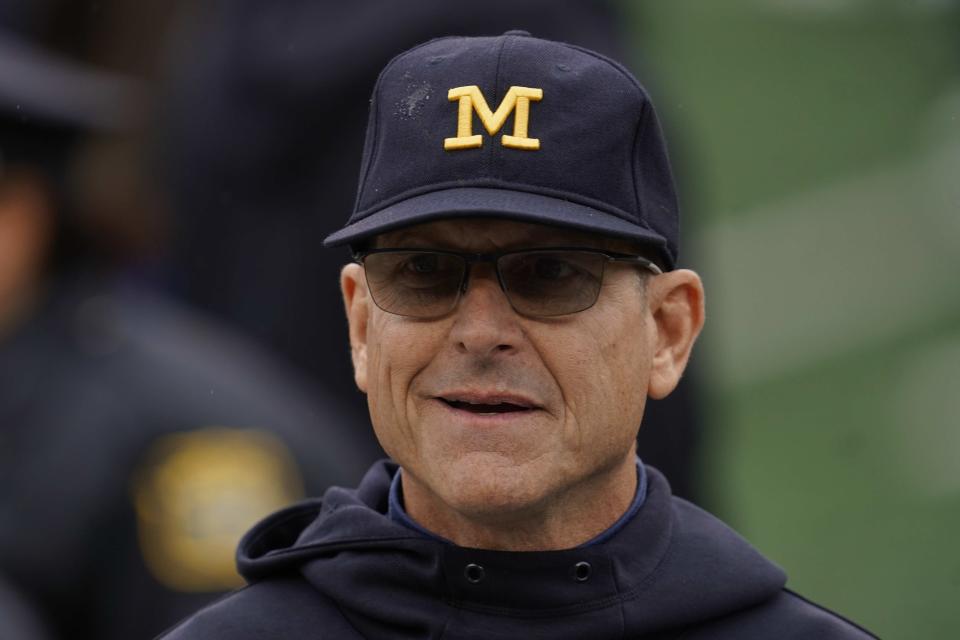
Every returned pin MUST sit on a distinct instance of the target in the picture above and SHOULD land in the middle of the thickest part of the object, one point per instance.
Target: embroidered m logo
(470, 99)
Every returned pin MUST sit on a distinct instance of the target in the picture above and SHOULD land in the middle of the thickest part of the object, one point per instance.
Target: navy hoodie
(338, 567)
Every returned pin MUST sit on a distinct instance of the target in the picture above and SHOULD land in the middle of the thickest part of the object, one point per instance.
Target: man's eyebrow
(405, 236)
(408, 241)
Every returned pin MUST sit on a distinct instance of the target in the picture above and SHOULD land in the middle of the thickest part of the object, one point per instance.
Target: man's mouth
(486, 405)
(500, 407)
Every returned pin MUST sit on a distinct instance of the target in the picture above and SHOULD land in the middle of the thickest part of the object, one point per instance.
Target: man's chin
(491, 492)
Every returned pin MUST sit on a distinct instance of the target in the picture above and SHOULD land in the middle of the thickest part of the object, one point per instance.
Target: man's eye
(552, 268)
(421, 264)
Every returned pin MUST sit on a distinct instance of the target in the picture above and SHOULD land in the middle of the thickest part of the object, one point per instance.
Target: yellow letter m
(517, 100)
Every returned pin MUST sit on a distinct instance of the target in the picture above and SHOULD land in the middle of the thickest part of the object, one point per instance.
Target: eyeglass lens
(426, 284)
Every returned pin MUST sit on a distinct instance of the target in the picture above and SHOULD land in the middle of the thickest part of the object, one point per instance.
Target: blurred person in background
(137, 439)
(259, 142)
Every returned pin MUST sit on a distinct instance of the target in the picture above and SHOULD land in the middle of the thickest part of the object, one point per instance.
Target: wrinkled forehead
(479, 235)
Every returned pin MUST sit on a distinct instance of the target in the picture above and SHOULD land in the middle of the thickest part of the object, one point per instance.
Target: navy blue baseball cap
(514, 127)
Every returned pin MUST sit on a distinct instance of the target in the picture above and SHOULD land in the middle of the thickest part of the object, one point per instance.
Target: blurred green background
(818, 144)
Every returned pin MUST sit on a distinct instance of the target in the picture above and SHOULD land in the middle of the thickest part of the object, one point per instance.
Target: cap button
(517, 32)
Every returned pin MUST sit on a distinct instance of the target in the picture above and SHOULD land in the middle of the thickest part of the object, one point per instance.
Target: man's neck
(581, 514)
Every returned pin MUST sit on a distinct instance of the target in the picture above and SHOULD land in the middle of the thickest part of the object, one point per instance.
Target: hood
(672, 566)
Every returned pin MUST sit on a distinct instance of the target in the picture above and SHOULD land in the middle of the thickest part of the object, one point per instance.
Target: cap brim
(464, 202)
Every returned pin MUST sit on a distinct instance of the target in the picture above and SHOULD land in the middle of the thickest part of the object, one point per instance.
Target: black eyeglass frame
(493, 258)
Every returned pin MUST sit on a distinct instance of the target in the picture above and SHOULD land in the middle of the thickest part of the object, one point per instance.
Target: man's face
(578, 382)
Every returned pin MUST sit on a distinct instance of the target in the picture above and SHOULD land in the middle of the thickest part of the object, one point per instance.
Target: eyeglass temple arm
(638, 260)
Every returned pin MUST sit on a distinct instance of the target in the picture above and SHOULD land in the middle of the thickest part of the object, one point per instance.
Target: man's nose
(485, 323)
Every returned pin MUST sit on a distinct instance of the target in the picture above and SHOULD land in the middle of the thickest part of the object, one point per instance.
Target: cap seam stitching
(644, 96)
(641, 121)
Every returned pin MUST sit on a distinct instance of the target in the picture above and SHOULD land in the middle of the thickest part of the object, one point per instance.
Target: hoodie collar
(673, 564)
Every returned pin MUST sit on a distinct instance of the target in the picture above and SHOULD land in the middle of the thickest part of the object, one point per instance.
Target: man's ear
(356, 300)
(675, 301)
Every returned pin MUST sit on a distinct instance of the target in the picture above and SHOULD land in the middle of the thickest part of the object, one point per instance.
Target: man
(252, 200)
(513, 288)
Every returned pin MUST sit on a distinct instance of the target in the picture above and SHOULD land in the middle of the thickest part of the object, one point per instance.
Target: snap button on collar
(474, 573)
(581, 571)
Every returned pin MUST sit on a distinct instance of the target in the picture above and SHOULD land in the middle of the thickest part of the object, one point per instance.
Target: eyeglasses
(540, 283)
